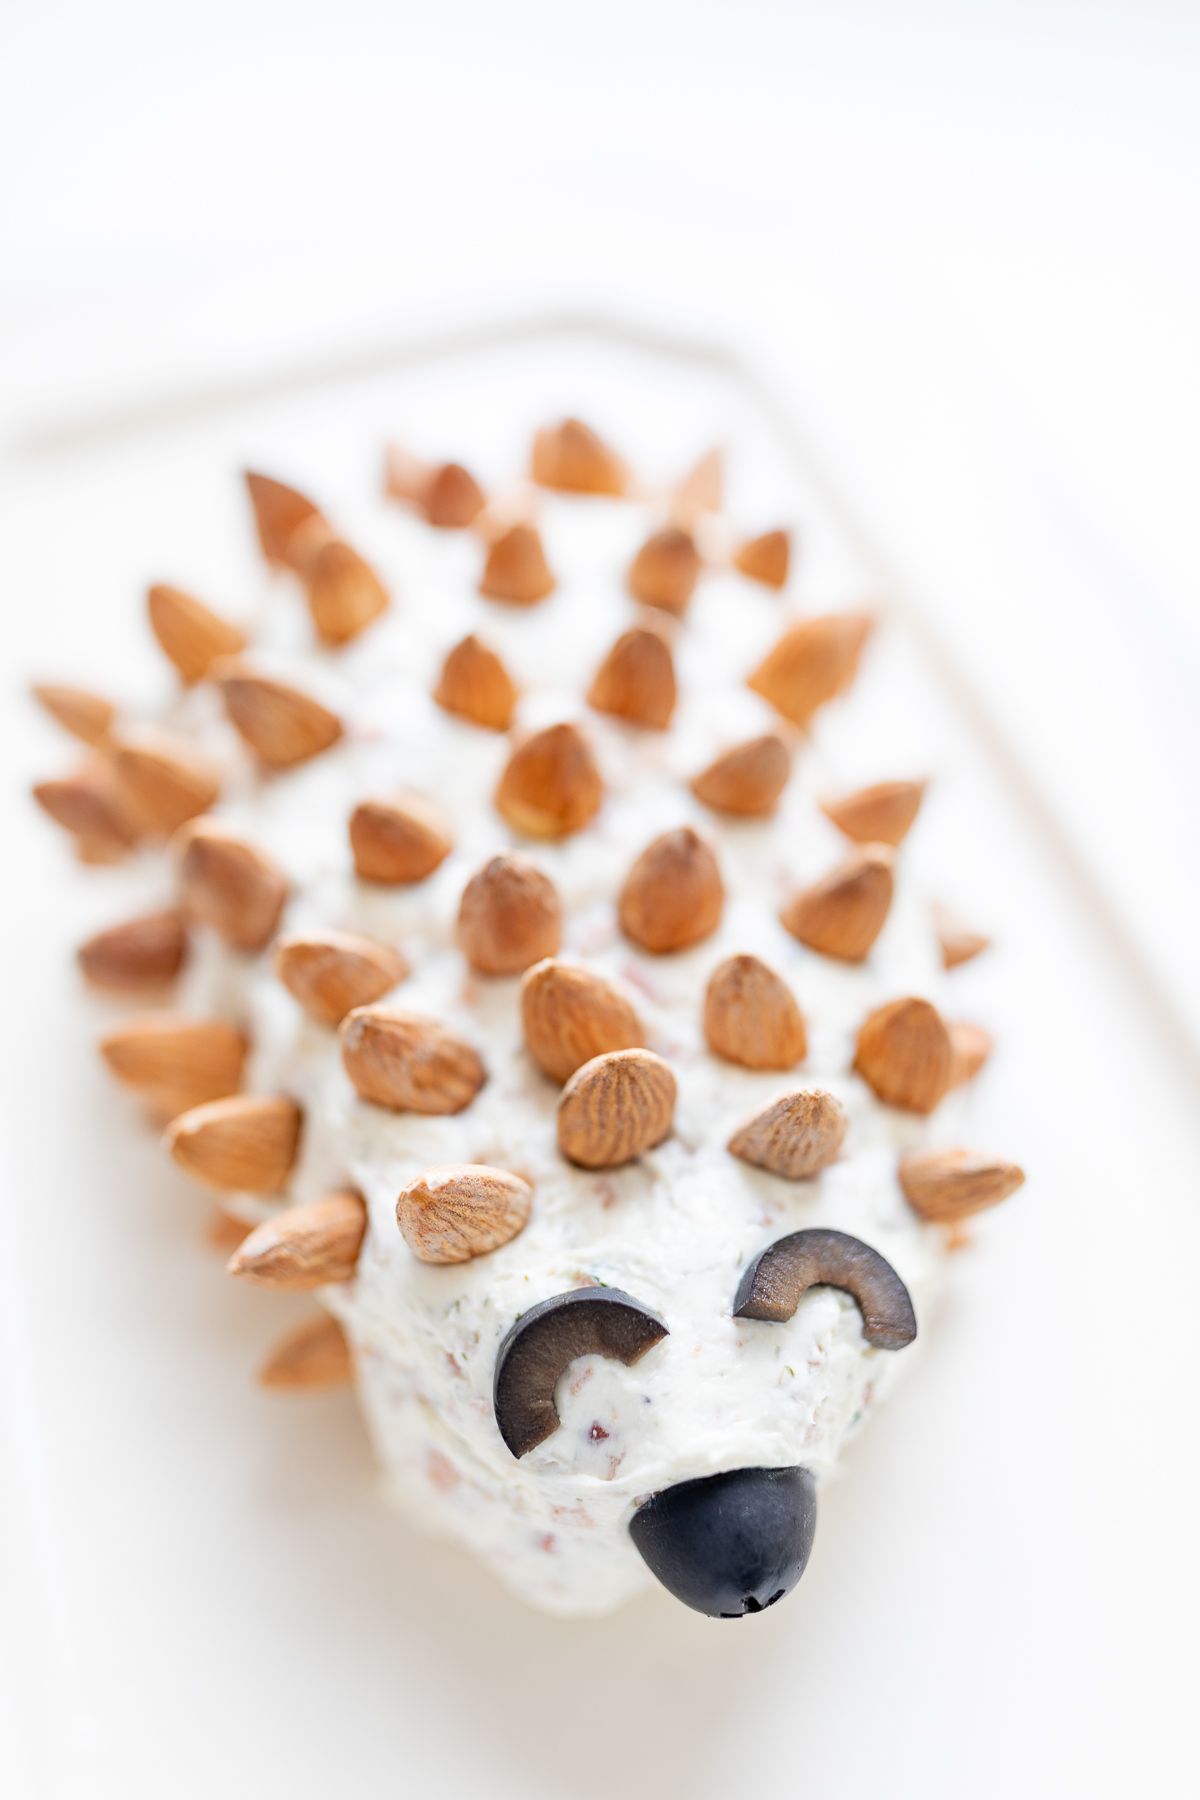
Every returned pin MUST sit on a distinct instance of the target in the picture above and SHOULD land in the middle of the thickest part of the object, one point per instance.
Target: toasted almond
(190, 634)
(957, 942)
(882, 814)
(89, 806)
(278, 513)
(570, 1014)
(765, 558)
(751, 1016)
(551, 786)
(747, 779)
(813, 661)
(906, 1054)
(310, 1356)
(636, 680)
(972, 1046)
(461, 1210)
(409, 1063)
(304, 1246)
(516, 569)
(87, 716)
(175, 1061)
(795, 1137)
(230, 885)
(332, 972)
(947, 1185)
(665, 570)
(447, 494)
(615, 1107)
(146, 952)
(344, 593)
(224, 1231)
(673, 895)
(162, 781)
(475, 685)
(573, 457)
(245, 1143)
(842, 914)
(510, 916)
(281, 724)
(398, 841)
(702, 488)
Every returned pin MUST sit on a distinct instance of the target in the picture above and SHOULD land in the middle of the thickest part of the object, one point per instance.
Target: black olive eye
(781, 1275)
(590, 1321)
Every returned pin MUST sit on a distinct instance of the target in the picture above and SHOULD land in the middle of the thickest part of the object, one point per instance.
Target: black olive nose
(729, 1544)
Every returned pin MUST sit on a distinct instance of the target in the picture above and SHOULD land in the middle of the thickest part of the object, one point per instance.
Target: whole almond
(462, 1210)
(230, 885)
(702, 488)
(409, 1063)
(765, 558)
(162, 781)
(813, 662)
(175, 1061)
(311, 1356)
(278, 513)
(795, 1137)
(190, 634)
(304, 1246)
(665, 570)
(842, 914)
(636, 680)
(551, 786)
(972, 1046)
(89, 806)
(344, 593)
(510, 916)
(747, 779)
(673, 895)
(475, 685)
(882, 814)
(446, 493)
(224, 1231)
(573, 457)
(332, 972)
(570, 1014)
(146, 952)
(516, 569)
(245, 1143)
(957, 942)
(87, 716)
(399, 841)
(282, 725)
(947, 1185)
(751, 1016)
(615, 1107)
(905, 1053)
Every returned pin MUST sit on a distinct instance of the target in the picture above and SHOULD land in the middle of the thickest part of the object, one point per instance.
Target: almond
(278, 512)
(615, 1107)
(636, 680)
(395, 842)
(905, 1053)
(176, 1062)
(409, 1063)
(510, 916)
(747, 779)
(947, 1185)
(665, 570)
(147, 952)
(573, 457)
(447, 494)
(87, 716)
(795, 1137)
(882, 814)
(224, 1231)
(332, 972)
(462, 1210)
(230, 885)
(957, 942)
(570, 1014)
(304, 1246)
(344, 593)
(516, 569)
(842, 914)
(162, 781)
(89, 806)
(673, 895)
(813, 662)
(475, 685)
(551, 786)
(310, 1356)
(765, 558)
(244, 1143)
(702, 488)
(281, 725)
(972, 1046)
(190, 634)
(751, 1017)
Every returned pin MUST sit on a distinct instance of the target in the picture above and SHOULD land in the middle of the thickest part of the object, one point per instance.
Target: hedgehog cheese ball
(524, 989)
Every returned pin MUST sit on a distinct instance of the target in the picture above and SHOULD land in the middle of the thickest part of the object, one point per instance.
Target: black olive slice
(589, 1321)
(781, 1275)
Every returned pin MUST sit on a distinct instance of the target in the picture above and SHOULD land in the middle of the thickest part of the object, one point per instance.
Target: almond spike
(190, 634)
(447, 494)
(462, 1210)
(751, 1017)
(344, 593)
(409, 1063)
(140, 953)
(175, 1061)
(673, 895)
(510, 916)
(972, 1046)
(906, 1054)
(571, 456)
(747, 779)
(224, 1231)
(304, 1246)
(230, 885)
(636, 680)
(766, 558)
(474, 684)
(279, 511)
(795, 1137)
(957, 942)
(665, 571)
(551, 786)
(702, 488)
(162, 780)
(947, 1185)
(245, 1143)
(813, 662)
(88, 805)
(311, 1356)
(332, 972)
(395, 842)
(281, 724)
(85, 715)
(570, 1014)
(615, 1107)
(516, 569)
(882, 814)
(842, 914)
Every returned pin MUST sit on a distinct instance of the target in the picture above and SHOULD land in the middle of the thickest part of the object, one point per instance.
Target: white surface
(203, 1587)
